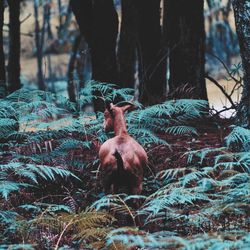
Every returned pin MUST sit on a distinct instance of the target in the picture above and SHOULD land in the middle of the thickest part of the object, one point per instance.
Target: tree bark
(186, 40)
(98, 23)
(127, 45)
(242, 20)
(3, 88)
(59, 5)
(63, 31)
(150, 54)
(14, 46)
(39, 40)
(81, 63)
(47, 11)
(105, 31)
(71, 68)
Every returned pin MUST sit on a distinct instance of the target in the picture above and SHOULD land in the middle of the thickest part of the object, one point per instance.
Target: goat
(122, 159)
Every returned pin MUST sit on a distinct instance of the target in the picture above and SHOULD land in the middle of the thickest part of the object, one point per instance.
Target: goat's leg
(107, 189)
(136, 190)
(107, 186)
(136, 203)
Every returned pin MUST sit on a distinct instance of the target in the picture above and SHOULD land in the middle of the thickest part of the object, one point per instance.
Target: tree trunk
(63, 31)
(98, 23)
(3, 88)
(127, 45)
(81, 63)
(47, 10)
(242, 20)
(105, 31)
(71, 68)
(14, 46)
(186, 40)
(151, 56)
(39, 39)
(60, 22)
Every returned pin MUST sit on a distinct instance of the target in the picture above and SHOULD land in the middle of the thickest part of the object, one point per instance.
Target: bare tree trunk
(63, 31)
(3, 88)
(71, 68)
(103, 44)
(98, 22)
(151, 55)
(14, 46)
(186, 39)
(242, 20)
(81, 62)
(59, 5)
(39, 36)
(47, 10)
(127, 45)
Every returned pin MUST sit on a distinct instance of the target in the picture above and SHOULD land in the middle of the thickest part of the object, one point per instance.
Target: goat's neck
(120, 127)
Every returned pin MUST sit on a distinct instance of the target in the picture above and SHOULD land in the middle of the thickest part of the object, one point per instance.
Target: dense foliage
(196, 197)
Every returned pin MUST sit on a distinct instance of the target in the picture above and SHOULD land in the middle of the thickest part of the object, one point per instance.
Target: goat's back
(131, 151)
(134, 160)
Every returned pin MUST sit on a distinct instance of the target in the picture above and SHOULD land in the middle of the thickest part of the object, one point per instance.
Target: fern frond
(240, 138)
(7, 187)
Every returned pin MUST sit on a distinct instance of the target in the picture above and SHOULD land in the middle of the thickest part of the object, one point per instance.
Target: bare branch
(26, 18)
(226, 68)
(222, 90)
(222, 110)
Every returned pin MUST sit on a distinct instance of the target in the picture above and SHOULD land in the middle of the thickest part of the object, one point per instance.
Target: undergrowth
(49, 186)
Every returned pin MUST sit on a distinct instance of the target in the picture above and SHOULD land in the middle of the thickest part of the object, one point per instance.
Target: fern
(87, 226)
(106, 92)
(239, 138)
(17, 247)
(28, 172)
(132, 238)
(210, 192)
(171, 116)
(6, 187)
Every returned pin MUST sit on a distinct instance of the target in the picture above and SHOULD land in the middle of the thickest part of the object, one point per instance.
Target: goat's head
(113, 110)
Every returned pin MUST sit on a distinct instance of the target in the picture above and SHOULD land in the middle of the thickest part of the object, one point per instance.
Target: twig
(128, 209)
(222, 110)
(222, 90)
(235, 88)
(226, 68)
(62, 233)
(26, 18)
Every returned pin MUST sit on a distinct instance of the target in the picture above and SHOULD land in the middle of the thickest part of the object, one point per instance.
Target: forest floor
(64, 204)
(209, 136)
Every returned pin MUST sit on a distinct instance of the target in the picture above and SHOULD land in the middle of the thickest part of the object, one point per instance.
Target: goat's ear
(110, 109)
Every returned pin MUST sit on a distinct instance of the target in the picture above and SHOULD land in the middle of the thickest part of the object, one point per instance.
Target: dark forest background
(165, 50)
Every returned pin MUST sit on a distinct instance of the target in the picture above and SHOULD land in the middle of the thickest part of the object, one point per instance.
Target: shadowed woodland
(171, 75)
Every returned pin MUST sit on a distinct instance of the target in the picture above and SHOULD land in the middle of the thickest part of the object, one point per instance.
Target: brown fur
(124, 150)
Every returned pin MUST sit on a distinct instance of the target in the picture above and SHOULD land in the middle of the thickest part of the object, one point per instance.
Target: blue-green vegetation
(49, 186)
